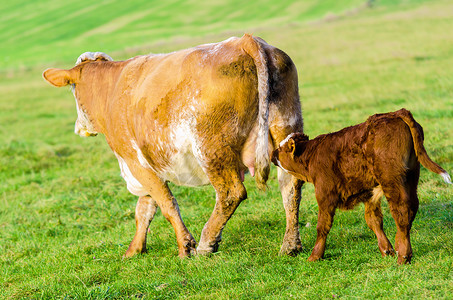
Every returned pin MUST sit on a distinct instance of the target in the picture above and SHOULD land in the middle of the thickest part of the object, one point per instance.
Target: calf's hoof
(314, 258)
(404, 259)
(389, 252)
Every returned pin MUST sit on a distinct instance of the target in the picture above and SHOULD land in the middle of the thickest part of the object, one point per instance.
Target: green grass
(66, 217)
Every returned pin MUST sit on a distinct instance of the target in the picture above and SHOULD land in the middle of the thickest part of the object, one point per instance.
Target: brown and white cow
(361, 163)
(203, 115)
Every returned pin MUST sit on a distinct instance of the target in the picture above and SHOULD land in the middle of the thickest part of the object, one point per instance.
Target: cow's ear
(59, 77)
(291, 146)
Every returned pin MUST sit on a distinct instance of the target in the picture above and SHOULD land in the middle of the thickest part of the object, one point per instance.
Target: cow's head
(285, 156)
(60, 77)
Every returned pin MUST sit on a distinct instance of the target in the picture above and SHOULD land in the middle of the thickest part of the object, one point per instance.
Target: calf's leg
(403, 207)
(326, 207)
(144, 213)
(373, 217)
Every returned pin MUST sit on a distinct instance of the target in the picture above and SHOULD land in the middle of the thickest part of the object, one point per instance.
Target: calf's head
(285, 156)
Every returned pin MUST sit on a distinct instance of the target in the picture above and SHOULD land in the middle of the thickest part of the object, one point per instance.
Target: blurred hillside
(40, 32)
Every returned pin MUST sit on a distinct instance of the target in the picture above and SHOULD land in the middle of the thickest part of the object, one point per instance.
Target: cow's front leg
(144, 213)
(290, 188)
(229, 193)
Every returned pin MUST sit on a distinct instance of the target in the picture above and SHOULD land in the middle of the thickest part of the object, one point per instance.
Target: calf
(362, 163)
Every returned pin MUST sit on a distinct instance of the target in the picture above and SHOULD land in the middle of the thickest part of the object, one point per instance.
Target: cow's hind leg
(290, 188)
(287, 119)
(373, 217)
(230, 192)
(144, 213)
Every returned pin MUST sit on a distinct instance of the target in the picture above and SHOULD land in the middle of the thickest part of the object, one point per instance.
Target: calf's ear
(59, 77)
(291, 146)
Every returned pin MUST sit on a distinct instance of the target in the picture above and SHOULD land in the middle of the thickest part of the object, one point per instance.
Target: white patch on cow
(133, 185)
(230, 39)
(83, 126)
(219, 43)
(286, 139)
(286, 187)
(93, 56)
(293, 120)
(446, 177)
(215, 48)
(179, 136)
(141, 158)
(186, 167)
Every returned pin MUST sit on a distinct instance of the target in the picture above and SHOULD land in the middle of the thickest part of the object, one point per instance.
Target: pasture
(66, 217)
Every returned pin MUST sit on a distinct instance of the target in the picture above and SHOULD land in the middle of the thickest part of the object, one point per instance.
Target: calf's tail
(417, 136)
(262, 159)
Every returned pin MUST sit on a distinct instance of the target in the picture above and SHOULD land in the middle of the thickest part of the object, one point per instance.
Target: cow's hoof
(291, 250)
(204, 252)
(133, 250)
(189, 249)
(207, 249)
(129, 254)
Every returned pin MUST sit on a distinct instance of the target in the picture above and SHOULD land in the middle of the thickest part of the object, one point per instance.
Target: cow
(203, 115)
(362, 163)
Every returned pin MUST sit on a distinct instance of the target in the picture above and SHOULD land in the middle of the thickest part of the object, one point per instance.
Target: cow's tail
(417, 136)
(262, 159)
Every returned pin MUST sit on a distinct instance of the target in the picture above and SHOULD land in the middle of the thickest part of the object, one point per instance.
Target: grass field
(66, 217)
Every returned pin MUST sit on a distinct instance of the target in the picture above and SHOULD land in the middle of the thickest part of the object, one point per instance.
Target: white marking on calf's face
(286, 139)
(280, 165)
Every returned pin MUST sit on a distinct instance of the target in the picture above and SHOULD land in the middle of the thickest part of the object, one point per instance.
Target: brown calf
(361, 163)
